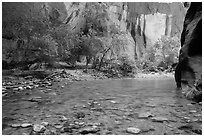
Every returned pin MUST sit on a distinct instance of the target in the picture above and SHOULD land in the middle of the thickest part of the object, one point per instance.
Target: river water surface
(154, 106)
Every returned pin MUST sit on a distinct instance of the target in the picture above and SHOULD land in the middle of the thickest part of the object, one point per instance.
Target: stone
(192, 111)
(45, 123)
(28, 77)
(38, 128)
(146, 129)
(24, 125)
(150, 105)
(28, 87)
(81, 123)
(200, 103)
(35, 99)
(133, 130)
(15, 89)
(145, 115)
(4, 94)
(198, 115)
(194, 120)
(16, 125)
(189, 104)
(58, 126)
(64, 118)
(94, 124)
(20, 88)
(112, 101)
(187, 118)
(88, 130)
(118, 122)
(159, 119)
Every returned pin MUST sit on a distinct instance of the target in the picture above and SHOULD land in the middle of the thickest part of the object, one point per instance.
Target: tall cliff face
(149, 21)
(141, 24)
(189, 70)
(145, 22)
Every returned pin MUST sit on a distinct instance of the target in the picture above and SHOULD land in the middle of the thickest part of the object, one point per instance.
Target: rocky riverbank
(66, 102)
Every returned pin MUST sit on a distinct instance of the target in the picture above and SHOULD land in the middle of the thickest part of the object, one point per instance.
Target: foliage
(160, 56)
(122, 66)
(96, 17)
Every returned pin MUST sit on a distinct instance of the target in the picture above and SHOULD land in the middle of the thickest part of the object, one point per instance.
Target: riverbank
(19, 80)
(65, 104)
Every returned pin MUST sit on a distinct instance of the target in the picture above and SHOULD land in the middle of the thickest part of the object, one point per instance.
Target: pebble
(53, 93)
(15, 125)
(150, 105)
(94, 124)
(198, 115)
(145, 115)
(58, 126)
(64, 118)
(189, 104)
(36, 86)
(192, 111)
(159, 119)
(112, 101)
(4, 94)
(133, 130)
(15, 89)
(88, 130)
(187, 118)
(194, 119)
(200, 103)
(28, 77)
(172, 105)
(81, 123)
(44, 123)
(28, 87)
(35, 99)
(118, 122)
(48, 116)
(20, 88)
(38, 128)
(24, 125)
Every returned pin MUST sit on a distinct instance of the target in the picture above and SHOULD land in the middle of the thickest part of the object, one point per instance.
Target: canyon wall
(189, 69)
(141, 23)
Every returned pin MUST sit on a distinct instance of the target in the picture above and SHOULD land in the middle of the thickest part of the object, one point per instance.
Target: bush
(161, 56)
(122, 66)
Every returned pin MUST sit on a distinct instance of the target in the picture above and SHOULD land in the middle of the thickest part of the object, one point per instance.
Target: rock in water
(88, 130)
(15, 125)
(133, 130)
(44, 123)
(145, 115)
(24, 125)
(38, 128)
(159, 119)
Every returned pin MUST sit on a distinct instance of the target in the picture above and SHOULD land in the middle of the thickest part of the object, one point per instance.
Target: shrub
(122, 66)
(161, 56)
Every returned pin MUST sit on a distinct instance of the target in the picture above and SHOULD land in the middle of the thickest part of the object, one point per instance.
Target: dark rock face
(189, 69)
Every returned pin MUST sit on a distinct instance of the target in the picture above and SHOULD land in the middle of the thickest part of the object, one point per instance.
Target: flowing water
(153, 106)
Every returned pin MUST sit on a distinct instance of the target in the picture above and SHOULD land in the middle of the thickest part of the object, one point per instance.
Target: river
(153, 106)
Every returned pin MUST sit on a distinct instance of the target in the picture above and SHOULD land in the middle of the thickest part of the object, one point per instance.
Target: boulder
(189, 69)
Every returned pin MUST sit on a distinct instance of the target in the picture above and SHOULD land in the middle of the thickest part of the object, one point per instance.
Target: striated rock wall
(149, 21)
(189, 69)
(141, 22)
